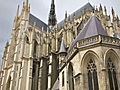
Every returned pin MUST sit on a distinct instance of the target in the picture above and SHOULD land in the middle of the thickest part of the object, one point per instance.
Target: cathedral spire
(52, 16)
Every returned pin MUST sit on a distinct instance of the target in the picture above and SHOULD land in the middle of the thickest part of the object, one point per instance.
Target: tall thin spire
(105, 10)
(65, 14)
(17, 12)
(26, 3)
(113, 12)
(52, 16)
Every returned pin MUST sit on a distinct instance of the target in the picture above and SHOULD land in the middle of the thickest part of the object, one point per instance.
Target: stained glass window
(92, 76)
(112, 75)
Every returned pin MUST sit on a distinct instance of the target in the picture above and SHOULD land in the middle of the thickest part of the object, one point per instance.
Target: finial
(17, 12)
(23, 4)
(113, 12)
(27, 1)
(105, 10)
(100, 7)
(65, 14)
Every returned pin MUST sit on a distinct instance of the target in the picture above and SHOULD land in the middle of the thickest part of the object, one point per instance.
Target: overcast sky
(40, 8)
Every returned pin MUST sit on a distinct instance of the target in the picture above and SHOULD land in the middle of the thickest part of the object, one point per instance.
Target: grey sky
(40, 8)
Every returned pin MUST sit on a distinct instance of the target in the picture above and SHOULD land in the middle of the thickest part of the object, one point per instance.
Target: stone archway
(112, 72)
(90, 66)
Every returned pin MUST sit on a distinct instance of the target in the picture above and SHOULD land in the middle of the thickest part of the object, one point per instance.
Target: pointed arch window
(112, 75)
(70, 77)
(92, 76)
(35, 49)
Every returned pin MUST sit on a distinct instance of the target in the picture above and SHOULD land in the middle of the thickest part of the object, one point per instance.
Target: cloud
(41, 8)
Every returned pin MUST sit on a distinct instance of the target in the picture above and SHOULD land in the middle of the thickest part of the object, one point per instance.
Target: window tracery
(112, 75)
(92, 76)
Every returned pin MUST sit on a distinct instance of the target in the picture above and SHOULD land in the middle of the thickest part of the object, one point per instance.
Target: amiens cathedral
(81, 52)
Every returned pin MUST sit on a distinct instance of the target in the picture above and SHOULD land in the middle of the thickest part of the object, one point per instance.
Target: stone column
(81, 81)
(23, 75)
(29, 74)
(118, 80)
(104, 79)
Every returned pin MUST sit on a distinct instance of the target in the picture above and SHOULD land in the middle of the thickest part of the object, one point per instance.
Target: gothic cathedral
(82, 52)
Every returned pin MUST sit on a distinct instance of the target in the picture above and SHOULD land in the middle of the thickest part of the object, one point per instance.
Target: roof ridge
(39, 23)
(37, 18)
(77, 12)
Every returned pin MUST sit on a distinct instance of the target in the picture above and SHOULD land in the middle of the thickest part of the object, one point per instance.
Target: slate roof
(92, 28)
(39, 23)
(79, 12)
(62, 47)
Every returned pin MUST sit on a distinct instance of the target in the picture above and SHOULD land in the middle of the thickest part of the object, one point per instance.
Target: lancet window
(92, 76)
(112, 75)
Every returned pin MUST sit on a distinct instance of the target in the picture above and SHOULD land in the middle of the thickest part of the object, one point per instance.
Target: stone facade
(38, 58)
